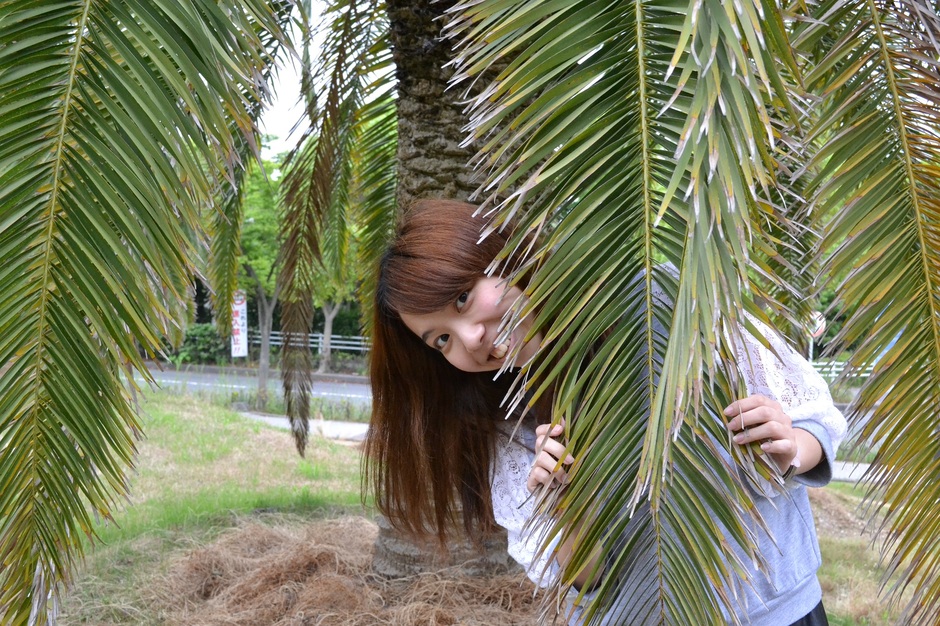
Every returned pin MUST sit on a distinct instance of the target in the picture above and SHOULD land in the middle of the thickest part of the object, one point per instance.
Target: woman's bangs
(437, 255)
(422, 285)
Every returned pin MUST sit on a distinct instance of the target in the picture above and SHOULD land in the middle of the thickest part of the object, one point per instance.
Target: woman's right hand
(548, 450)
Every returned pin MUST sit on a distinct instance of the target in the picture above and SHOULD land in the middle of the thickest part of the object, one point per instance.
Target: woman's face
(466, 331)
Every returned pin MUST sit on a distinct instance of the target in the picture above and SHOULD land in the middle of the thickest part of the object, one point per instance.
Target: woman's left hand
(759, 418)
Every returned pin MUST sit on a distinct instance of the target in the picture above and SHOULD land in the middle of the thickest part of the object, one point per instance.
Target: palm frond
(374, 156)
(631, 135)
(784, 267)
(227, 214)
(316, 187)
(878, 133)
(115, 129)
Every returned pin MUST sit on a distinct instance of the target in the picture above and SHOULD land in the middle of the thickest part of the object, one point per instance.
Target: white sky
(284, 112)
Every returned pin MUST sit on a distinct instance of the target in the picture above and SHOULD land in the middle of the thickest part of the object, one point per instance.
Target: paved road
(343, 431)
(348, 388)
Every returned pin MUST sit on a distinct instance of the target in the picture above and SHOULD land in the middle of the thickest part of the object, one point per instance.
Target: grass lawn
(202, 470)
(209, 481)
(850, 574)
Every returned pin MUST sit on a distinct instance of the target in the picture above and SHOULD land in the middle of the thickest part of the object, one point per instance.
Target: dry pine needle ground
(321, 574)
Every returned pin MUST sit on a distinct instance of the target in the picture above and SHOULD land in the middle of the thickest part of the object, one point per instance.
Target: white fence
(315, 341)
(830, 370)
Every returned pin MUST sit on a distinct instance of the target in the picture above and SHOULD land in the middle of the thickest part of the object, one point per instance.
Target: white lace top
(790, 380)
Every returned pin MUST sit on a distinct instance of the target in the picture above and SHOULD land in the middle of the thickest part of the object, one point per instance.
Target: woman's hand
(758, 418)
(548, 450)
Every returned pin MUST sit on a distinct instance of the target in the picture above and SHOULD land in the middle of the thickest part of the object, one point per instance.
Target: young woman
(438, 449)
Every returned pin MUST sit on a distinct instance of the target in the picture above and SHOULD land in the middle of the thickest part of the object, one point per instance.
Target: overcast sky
(284, 112)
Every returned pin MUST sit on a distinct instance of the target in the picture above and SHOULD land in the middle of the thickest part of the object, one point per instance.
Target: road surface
(352, 390)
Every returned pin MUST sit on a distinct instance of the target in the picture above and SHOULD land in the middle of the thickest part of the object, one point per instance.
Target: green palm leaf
(114, 130)
(318, 185)
(631, 134)
(374, 208)
(879, 149)
(227, 212)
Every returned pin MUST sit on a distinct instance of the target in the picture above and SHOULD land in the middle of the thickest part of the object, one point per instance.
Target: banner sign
(817, 325)
(239, 324)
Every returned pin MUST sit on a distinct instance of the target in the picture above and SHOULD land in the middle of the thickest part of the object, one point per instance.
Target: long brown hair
(433, 426)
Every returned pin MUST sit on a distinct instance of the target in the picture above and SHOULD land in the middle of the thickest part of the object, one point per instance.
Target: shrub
(202, 345)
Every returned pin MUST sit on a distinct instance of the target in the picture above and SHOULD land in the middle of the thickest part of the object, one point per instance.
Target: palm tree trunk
(396, 555)
(431, 162)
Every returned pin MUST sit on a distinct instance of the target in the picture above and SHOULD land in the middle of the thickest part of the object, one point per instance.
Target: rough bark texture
(430, 163)
(430, 118)
(396, 555)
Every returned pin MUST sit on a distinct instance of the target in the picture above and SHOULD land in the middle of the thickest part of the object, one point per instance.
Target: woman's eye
(441, 341)
(462, 299)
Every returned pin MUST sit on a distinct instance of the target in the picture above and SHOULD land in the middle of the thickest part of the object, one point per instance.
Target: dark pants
(816, 617)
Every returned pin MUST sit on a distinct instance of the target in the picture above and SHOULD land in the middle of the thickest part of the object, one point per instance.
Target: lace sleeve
(513, 508)
(788, 378)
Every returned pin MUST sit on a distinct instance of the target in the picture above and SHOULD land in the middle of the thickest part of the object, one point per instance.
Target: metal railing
(315, 341)
(830, 370)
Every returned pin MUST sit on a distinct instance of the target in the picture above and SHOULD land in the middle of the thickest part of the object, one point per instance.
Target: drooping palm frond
(877, 67)
(374, 156)
(226, 218)
(115, 128)
(784, 268)
(638, 134)
(224, 250)
(317, 185)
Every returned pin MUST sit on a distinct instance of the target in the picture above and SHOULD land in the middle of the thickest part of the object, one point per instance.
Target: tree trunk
(431, 162)
(430, 159)
(330, 309)
(265, 322)
(396, 555)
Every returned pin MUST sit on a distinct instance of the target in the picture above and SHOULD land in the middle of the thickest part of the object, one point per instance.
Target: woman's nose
(471, 335)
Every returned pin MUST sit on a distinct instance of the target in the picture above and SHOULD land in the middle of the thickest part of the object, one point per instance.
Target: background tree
(333, 289)
(259, 256)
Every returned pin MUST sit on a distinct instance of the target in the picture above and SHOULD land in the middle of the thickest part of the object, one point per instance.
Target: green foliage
(259, 241)
(201, 345)
(120, 122)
